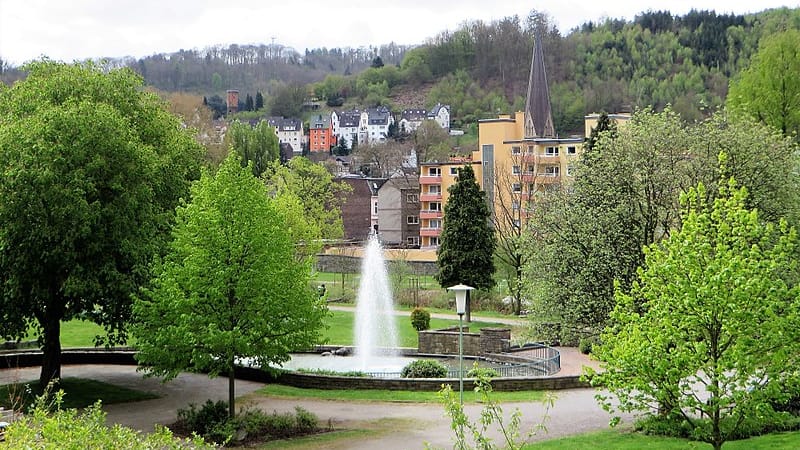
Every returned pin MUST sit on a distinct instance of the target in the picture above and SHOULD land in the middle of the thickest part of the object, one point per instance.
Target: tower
(233, 101)
(538, 115)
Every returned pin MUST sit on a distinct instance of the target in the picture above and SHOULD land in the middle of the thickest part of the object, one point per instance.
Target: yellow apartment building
(519, 157)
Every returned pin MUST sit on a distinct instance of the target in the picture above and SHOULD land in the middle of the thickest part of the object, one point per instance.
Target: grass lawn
(381, 395)
(625, 440)
(78, 393)
(342, 323)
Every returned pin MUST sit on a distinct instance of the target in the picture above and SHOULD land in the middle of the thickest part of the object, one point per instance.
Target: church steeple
(538, 115)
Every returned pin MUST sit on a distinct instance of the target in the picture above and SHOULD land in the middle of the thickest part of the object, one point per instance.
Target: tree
(93, 167)
(314, 187)
(259, 101)
(254, 144)
(230, 287)
(377, 62)
(466, 250)
(431, 142)
(381, 159)
(287, 101)
(709, 332)
(769, 90)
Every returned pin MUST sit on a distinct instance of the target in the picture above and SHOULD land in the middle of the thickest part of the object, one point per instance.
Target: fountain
(375, 332)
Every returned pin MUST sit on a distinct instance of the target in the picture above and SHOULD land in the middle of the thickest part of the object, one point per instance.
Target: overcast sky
(78, 29)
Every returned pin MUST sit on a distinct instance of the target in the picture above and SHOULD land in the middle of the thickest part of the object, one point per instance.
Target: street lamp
(461, 307)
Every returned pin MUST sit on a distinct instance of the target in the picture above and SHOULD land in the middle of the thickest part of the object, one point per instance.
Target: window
(570, 171)
(434, 241)
(412, 241)
(517, 188)
(551, 151)
(515, 205)
(517, 223)
(529, 150)
(516, 170)
(516, 150)
(412, 220)
(434, 223)
(435, 206)
(435, 189)
(552, 171)
(412, 198)
(434, 171)
(531, 188)
(375, 208)
(531, 168)
(454, 171)
(571, 150)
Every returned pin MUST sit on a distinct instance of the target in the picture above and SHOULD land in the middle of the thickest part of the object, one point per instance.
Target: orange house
(320, 134)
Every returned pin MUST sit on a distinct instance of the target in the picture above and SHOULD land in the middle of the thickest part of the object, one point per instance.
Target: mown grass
(628, 440)
(78, 393)
(341, 328)
(381, 395)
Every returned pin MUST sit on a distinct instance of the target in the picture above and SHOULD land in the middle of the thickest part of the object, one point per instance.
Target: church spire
(538, 115)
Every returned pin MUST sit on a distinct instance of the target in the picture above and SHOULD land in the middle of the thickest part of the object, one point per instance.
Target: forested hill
(482, 68)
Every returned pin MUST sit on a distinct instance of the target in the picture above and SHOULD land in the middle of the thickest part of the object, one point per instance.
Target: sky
(71, 30)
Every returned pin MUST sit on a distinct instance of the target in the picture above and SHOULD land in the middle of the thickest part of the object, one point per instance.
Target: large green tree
(231, 286)
(467, 243)
(256, 144)
(92, 169)
(769, 89)
(710, 333)
(315, 188)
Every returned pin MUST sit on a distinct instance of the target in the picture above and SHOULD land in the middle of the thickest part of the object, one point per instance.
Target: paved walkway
(401, 425)
(475, 316)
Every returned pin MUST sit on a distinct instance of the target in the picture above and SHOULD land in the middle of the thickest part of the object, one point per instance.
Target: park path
(475, 316)
(399, 425)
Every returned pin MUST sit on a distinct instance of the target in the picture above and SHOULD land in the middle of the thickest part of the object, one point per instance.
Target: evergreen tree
(248, 103)
(377, 63)
(466, 250)
(259, 100)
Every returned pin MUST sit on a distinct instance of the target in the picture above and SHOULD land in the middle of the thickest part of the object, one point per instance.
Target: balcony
(429, 179)
(430, 197)
(430, 214)
(430, 231)
(547, 158)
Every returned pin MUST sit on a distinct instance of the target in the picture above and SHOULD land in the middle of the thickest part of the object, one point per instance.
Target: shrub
(420, 319)
(483, 372)
(585, 346)
(210, 417)
(424, 368)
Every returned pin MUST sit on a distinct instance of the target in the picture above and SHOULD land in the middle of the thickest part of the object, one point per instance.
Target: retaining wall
(352, 264)
(445, 341)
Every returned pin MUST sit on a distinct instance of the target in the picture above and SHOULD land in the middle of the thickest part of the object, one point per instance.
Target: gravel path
(401, 425)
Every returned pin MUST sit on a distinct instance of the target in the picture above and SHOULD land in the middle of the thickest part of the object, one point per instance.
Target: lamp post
(461, 308)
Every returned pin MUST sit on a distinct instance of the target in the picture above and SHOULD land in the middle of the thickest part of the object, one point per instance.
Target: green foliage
(424, 368)
(482, 373)
(585, 346)
(46, 425)
(474, 435)
(769, 89)
(711, 326)
(465, 254)
(315, 190)
(211, 422)
(420, 319)
(256, 145)
(92, 169)
(231, 286)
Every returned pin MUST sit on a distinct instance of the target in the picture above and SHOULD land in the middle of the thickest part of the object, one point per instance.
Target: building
(289, 131)
(344, 126)
(320, 134)
(440, 114)
(232, 101)
(360, 206)
(374, 125)
(411, 119)
(519, 157)
(434, 180)
(398, 212)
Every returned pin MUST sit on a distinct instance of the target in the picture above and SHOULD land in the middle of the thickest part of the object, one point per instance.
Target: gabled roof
(319, 122)
(285, 124)
(350, 119)
(435, 110)
(538, 115)
(413, 115)
(378, 116)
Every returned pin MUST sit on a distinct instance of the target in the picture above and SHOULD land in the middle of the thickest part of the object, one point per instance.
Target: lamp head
(461, 297)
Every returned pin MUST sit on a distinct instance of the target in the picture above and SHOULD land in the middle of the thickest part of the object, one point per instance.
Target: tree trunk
(51, 348)
(231, 389)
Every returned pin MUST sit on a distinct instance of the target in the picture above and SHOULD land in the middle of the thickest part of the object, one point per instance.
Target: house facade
(440, 114)
(289, 131)
(320, 134)
(398, 212)
(345, 127)
(374, 125)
